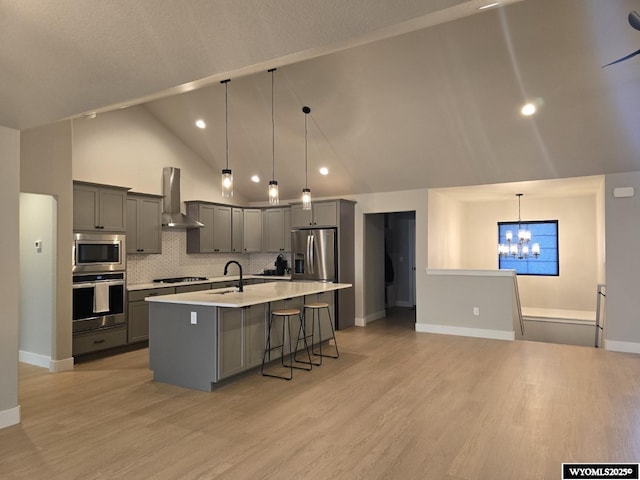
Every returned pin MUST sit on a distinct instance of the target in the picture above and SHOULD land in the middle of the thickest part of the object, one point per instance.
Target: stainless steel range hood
(172, 217)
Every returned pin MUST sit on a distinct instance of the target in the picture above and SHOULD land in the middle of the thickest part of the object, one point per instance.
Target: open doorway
(389, 266)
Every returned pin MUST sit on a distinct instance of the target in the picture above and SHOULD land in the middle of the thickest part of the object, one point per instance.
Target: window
(545, 233)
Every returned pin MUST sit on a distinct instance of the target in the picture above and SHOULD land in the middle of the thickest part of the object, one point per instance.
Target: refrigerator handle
(310, 259)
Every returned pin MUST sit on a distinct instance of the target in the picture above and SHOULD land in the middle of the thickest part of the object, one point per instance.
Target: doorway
(389, 265)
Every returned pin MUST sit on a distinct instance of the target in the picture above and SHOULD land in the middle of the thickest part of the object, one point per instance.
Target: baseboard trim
(403, 303)
(45, 361)
(375, 316)
(625, 347)
(34, 359)
(61, 365)
(466, 332)
(10, 417)
(361, 322)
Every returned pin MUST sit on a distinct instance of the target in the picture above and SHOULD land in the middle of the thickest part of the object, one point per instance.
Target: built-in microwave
(99, 252)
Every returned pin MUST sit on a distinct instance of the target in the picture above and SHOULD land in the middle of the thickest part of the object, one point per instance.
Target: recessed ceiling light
(255, 179)
(324, 171)
(489, 5)
(528, 109)
(200, 124)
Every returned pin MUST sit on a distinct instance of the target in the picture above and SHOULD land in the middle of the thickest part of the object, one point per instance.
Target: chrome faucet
(240, 285)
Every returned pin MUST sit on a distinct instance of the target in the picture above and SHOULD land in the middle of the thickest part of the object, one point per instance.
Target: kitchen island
(197, 339)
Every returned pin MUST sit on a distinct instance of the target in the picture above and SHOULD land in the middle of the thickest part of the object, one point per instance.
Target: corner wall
(45, 168)
(622, 225)
(9, 280)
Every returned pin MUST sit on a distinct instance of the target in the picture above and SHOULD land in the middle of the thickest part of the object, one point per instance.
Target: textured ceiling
(404, 94)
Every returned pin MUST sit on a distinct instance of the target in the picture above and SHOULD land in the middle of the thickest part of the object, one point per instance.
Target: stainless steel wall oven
(98, 301)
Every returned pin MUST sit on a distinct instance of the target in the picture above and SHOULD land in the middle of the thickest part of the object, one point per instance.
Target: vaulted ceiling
(403, 94)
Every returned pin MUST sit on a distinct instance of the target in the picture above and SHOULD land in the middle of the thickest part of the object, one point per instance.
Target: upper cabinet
(144, 223)
(277, 230)
(99, 207)
(215, 236)
(252, 235)
(237, 230)
(321, 214)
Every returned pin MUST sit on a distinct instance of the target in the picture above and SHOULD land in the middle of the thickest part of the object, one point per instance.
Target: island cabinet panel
(230, 342)
(183, 346)
(241, 339)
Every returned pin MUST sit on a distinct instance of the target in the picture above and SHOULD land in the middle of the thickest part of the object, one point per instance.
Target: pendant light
(273, 184)
(306, 191)
(519, 248)
(227, 175)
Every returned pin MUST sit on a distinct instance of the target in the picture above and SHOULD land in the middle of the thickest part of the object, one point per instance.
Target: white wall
(580, 242)
(622, 328)
(129, 148)
(445, 235)
(10, 278)
(387, 202)
(45, 168)
(37, 277)
(374, 267)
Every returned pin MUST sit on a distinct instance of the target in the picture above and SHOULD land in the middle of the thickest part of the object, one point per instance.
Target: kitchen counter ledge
(252, 295)
(228, 278)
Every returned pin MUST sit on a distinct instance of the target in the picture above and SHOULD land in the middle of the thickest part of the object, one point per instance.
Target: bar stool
(315, 309)
(285, 314)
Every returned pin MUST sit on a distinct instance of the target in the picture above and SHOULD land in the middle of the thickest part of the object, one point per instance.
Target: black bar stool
(285, 314)
(315, 309)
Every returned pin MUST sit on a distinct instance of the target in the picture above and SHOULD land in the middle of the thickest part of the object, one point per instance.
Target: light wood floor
(396, 405)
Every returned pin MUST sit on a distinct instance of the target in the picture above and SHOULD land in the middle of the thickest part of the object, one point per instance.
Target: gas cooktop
(179, 279)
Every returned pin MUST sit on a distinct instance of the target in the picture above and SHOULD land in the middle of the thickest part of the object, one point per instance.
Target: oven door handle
(93, 284)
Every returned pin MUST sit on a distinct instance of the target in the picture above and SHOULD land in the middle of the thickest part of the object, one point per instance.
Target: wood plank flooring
(396, 405)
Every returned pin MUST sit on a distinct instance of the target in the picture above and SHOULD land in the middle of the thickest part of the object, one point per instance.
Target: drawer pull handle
(98, 341)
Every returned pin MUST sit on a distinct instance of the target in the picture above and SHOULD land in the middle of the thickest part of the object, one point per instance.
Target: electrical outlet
(194, 318)
(476, 310)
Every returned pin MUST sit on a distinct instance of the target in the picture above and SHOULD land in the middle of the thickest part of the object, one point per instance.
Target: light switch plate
(194, 318)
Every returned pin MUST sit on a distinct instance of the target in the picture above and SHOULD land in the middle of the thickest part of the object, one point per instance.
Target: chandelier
(518, 248)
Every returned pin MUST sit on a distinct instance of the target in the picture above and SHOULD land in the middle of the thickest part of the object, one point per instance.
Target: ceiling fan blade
(634, 20)
(631, 55)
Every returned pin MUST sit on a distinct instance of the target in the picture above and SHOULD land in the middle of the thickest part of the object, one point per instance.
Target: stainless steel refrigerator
(314, 255)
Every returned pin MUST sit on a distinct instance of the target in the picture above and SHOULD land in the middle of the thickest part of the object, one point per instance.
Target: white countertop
(252, 295)
(227, 278)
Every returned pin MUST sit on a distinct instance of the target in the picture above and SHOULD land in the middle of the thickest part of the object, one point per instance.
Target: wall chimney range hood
(172, 217)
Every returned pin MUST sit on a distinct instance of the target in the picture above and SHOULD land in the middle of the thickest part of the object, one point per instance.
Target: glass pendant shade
(273, 192)
(227, 183)
(518, 248)
(306, 199)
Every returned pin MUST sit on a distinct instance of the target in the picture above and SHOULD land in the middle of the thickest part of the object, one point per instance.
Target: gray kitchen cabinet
(144, 223)
(321, 214)
(241, 337)
(215, 236)
(252, 235)
(101, 340)
(277, 230)
(99, 207)
(237, 230)
(138, 312)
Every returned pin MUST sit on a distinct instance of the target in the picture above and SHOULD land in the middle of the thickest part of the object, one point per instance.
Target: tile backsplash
(174, 261)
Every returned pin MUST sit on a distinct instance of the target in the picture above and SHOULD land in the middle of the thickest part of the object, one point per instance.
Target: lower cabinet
(138, 312)
(241, 337)
(100, 340)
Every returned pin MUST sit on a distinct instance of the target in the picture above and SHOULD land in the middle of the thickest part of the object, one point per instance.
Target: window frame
(525, 224)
